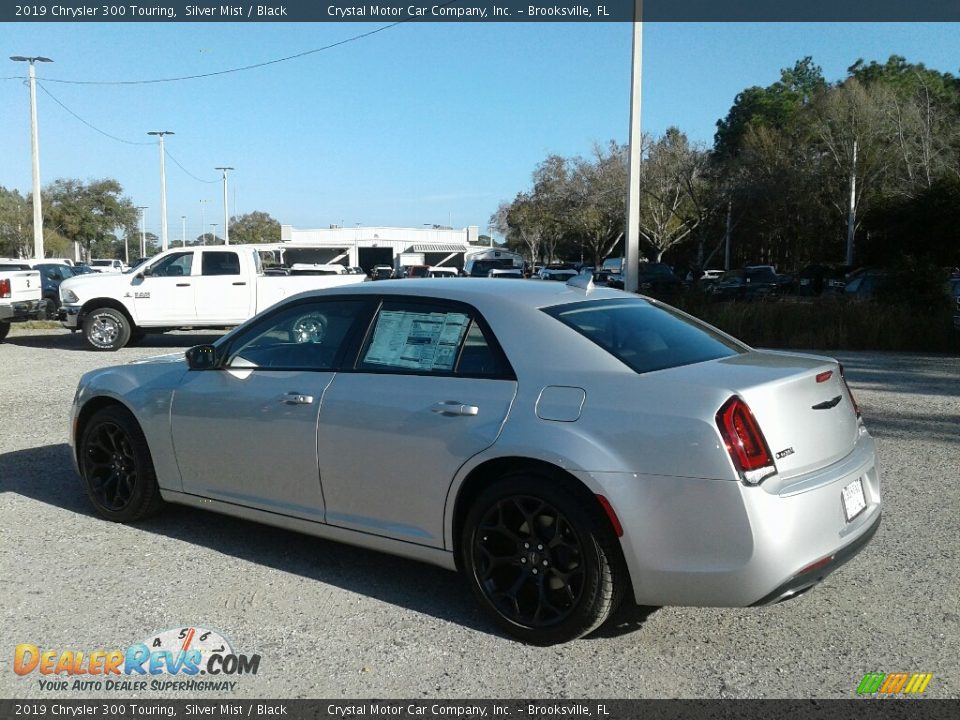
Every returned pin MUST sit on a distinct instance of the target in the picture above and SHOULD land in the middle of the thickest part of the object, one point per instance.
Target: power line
(89, 125)
(245, 67)
(167, 152)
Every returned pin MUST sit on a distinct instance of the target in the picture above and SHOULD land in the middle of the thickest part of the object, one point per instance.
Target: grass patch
(37, 325)
(830, 324)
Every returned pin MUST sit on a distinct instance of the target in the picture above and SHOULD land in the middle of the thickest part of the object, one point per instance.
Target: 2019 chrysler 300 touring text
(566, 447)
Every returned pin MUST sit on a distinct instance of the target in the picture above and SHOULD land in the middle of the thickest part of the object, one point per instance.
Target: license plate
(854, 502)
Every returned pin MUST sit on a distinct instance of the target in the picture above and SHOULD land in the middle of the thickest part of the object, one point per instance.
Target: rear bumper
(20, 311)
(705, 542)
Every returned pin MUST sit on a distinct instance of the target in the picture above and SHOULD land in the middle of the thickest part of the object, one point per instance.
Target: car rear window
(644, 336)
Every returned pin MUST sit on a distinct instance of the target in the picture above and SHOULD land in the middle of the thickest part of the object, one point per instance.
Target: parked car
(21, 294)
(107, 266)
(442, 271)
(653, 458)
(82, 269)
(658, 280)
(51, 275)
(317, 269)
(418, 271)
(818, 279)
(182, 287)
(382, 272)
(506, 274)
(754, 283)
(558, 271)
(610, 266)
(863, 284)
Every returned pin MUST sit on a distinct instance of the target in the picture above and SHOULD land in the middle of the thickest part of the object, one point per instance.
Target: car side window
(175, 265)
(219, 262)
(424, 338)
(305, 336)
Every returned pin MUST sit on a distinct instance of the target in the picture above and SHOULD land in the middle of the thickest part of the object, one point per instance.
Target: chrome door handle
(295, 398)
(453, 408)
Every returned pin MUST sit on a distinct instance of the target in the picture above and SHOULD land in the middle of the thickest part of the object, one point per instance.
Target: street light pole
(631, 242)
(163, 189)
(183, 231)
(203, 225)
(213, 232)
(226, 214)
(143, 229)
(35, 153)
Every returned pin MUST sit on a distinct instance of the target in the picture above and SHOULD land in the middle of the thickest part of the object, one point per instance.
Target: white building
(368, 246)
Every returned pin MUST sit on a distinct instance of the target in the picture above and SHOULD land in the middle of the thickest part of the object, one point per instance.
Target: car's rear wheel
(117, 468)
(106, 329)
(544, 565)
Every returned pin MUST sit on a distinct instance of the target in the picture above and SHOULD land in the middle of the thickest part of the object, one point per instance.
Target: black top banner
(482, 11)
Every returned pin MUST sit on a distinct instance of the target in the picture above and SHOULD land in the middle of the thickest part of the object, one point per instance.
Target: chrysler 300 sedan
(567, 448)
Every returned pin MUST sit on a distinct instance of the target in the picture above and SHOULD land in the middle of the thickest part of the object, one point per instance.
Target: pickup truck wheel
(4, 329)
(106, 329)
(117, 468)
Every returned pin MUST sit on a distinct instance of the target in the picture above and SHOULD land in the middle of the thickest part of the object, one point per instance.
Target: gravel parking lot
(335, 621)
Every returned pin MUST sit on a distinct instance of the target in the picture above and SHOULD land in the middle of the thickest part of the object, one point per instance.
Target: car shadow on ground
(45, 474)
(65, 340)
(883, 372)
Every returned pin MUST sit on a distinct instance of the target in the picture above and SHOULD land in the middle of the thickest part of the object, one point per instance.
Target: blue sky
(421, 123)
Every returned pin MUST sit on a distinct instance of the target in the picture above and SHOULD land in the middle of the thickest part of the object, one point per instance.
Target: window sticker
(417, 340)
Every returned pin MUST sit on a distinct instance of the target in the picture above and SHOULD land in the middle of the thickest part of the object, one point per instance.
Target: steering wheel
(309, 328)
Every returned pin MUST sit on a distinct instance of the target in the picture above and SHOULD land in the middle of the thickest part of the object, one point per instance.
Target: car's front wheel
(106, 329)
(543, 564)
(117, 468)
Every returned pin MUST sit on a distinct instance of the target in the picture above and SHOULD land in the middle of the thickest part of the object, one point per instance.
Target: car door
(246, 432)
(430, 389)
(223, 293)
(164, 292)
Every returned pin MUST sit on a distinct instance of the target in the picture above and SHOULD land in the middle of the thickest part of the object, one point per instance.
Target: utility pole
(143, 229)
(726, 237)
(226, 214)
(852, 214)
(213, 232)
(183, 231)
(163, 189)
(631, 242)
(35, 153)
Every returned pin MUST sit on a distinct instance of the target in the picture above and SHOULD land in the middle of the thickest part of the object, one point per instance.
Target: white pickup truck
(185, 287)
(20, 293)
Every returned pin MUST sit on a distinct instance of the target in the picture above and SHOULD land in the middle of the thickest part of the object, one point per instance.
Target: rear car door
(224, 294)
(246, 432)
(430, 388)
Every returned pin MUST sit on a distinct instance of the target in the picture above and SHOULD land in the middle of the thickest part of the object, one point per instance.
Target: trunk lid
(800, 403)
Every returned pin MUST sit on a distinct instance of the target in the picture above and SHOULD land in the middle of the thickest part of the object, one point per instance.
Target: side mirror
(201, 357)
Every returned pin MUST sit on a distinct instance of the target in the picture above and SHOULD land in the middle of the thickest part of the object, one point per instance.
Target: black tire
(116, 467)
(106, 329)
(4, 329)
(544, 564)
(50, 309)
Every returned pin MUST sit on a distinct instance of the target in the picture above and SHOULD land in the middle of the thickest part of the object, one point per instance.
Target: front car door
(430, 389)
(164, 292)
(246, 432)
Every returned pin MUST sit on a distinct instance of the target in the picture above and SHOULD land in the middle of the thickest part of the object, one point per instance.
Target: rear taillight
(5, 288)
(745, 443)
(853, 400)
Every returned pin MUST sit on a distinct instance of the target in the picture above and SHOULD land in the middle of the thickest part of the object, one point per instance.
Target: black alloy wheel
(546, 569)
(116, 466)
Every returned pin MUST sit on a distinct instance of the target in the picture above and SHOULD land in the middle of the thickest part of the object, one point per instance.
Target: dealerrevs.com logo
(187, 658)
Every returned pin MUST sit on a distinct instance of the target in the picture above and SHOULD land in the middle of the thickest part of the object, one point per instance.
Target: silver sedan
(567, 448)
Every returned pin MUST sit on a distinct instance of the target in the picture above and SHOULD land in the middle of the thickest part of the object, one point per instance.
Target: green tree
(87, 213)
(255, 227)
